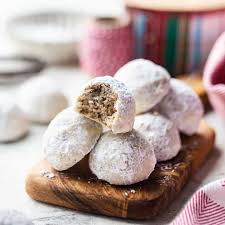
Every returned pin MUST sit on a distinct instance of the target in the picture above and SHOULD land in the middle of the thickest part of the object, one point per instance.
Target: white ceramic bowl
(51, 36)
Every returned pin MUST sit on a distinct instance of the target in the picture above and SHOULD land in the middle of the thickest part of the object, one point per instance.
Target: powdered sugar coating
(122, 159)
(182, 106)
(161, 133)
(68, 138)
(13, 123)
(125, 105)
(41, 99)
(148, 82)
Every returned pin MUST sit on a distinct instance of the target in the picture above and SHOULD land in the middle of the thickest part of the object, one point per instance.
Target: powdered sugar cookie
(122, 159)
(13, 122)
(41, 99)
(161, 133)
(69, 137)
(182, 106)
(148, 82)
(107, 101)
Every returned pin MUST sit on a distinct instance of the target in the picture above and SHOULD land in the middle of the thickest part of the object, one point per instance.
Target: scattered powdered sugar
(47, 174)
(161, 133)
(182, 106)
(122, 159)
(148, 82)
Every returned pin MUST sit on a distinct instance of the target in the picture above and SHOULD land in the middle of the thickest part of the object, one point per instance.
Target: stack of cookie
(126, 123)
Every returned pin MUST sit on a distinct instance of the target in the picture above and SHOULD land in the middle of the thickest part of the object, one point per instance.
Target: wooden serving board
(77, 188)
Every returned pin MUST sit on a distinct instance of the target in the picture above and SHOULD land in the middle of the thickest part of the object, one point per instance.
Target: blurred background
(14, 9)
(178, 36)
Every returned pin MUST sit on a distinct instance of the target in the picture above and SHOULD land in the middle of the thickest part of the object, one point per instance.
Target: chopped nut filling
(97, 102)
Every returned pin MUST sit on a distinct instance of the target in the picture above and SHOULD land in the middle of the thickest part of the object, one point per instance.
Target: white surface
(16, 159)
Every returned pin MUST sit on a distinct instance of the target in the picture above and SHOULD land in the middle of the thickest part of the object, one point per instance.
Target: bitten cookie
(148, 82)
(122, 159)
(13, 123)
(40, 99)
(108, 102)
(68, 138)
(161, 133)
(182, 106)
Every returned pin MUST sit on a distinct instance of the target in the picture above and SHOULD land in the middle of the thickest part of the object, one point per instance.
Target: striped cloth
(179, 41)
(206, 207)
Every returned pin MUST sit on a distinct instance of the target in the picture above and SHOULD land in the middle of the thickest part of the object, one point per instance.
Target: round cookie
(147, 81)
(161, 133)
(182, 106)
(108, 102)
(13, 217)
(122, 159)
(41, 99)
(68, 138)
(13, 123)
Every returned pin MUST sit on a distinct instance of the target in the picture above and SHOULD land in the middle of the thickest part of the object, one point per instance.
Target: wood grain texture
(77, 188)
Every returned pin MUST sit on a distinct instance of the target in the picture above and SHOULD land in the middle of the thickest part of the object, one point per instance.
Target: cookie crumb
(132, 191)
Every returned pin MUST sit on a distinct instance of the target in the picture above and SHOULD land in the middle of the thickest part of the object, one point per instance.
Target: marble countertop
(17, 158)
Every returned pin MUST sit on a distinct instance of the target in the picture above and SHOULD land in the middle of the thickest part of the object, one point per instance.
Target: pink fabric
(105, 49)
(206, 207)
(214, 75)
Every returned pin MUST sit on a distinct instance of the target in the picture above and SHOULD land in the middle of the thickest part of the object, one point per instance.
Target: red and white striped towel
(206, 206)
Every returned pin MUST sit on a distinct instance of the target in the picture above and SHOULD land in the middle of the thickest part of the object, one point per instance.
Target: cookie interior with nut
(98, 103)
